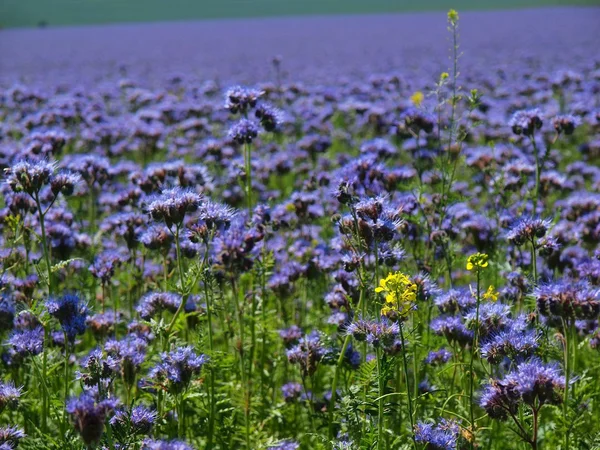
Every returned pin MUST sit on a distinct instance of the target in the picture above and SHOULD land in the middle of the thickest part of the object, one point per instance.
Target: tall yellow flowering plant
(400, 295)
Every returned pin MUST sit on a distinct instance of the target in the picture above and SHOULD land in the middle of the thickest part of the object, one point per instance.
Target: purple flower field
(361, 232)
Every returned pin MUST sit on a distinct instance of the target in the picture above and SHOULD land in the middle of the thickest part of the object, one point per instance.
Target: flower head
(400, 295)
(29, 177)
(565, 124)
(526, 122)
(477, 262)
(243, 132)
(172, 204)
(177, 368)
(71, 312)
(89, 415)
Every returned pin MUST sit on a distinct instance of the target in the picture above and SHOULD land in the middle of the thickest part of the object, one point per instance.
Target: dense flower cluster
(341, 263)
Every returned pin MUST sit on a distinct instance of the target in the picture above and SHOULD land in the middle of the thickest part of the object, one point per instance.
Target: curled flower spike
(400, 295)
(477, 261)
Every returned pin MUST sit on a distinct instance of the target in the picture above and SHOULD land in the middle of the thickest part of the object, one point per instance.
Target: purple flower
(243, 132)
(569, 300)
(154, 303)
(291, 391)
(9, 395)
(439, 357)
(29, 177)
(153, 444)
(71, 312)
(138, 420)
(126, 357)
(27, 342)
(240, 99)
(565, 123)
(441, 436)
(528, 230)
(89, 415)
(10, 436)
(172, 205)
(177, 368)
(526, 122)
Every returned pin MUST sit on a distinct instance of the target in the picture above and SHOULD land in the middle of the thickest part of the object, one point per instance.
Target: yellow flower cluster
(491, 294)
(417, 98)
(477, 261)
(452, 17)
(400, 295)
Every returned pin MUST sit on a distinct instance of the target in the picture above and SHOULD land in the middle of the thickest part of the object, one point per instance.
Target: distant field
(27, 13)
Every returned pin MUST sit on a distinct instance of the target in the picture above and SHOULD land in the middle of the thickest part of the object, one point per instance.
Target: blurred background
(85, 42)
(31, 13)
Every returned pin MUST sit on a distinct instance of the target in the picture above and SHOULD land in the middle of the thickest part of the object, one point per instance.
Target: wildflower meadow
(386, 262)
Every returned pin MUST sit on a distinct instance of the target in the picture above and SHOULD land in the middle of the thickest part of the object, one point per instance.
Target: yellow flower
(417, 98)
(477, 261)
(444, 76)
(452, 16)
(400, 294)
(491, 294)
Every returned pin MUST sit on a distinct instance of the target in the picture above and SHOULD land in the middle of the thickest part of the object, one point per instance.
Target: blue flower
(441, 436)
(177, 368)
(71, 313)
(89, 416)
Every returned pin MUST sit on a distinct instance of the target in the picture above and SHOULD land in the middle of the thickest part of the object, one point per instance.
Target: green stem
(473, 350)
(408, 393)
(534, 261)
(41, 217)
(338, 368)
(538, 170)
(567, 330)
(248, 170)
(380, 417)
(184, 296)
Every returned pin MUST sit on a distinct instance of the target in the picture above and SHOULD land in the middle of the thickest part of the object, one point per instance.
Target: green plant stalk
(242, 363)
(45, 399)
(567, 329)
(534, 261)
(66, 392)
(538, 172)
(248, 179)
(471, 364)
(338, 368)
(408, 393)
(184, 296)
(380, 417)
(211, 387)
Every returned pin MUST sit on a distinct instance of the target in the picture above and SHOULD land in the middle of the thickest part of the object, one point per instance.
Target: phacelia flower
(528, 230)
(29, 177)
(243, 132)
(139, 420)
(568, 299)
(269, 116)
(89, 416)
(240, 99)
(526, 122)
(172, 205)
(71, 313)
(9, 395)
(177, 368)
(10, 436)
(565, 124)
(441, 436)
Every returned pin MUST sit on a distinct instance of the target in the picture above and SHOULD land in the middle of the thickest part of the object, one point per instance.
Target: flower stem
(380, 417)
(408, 393)
(473, 350)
